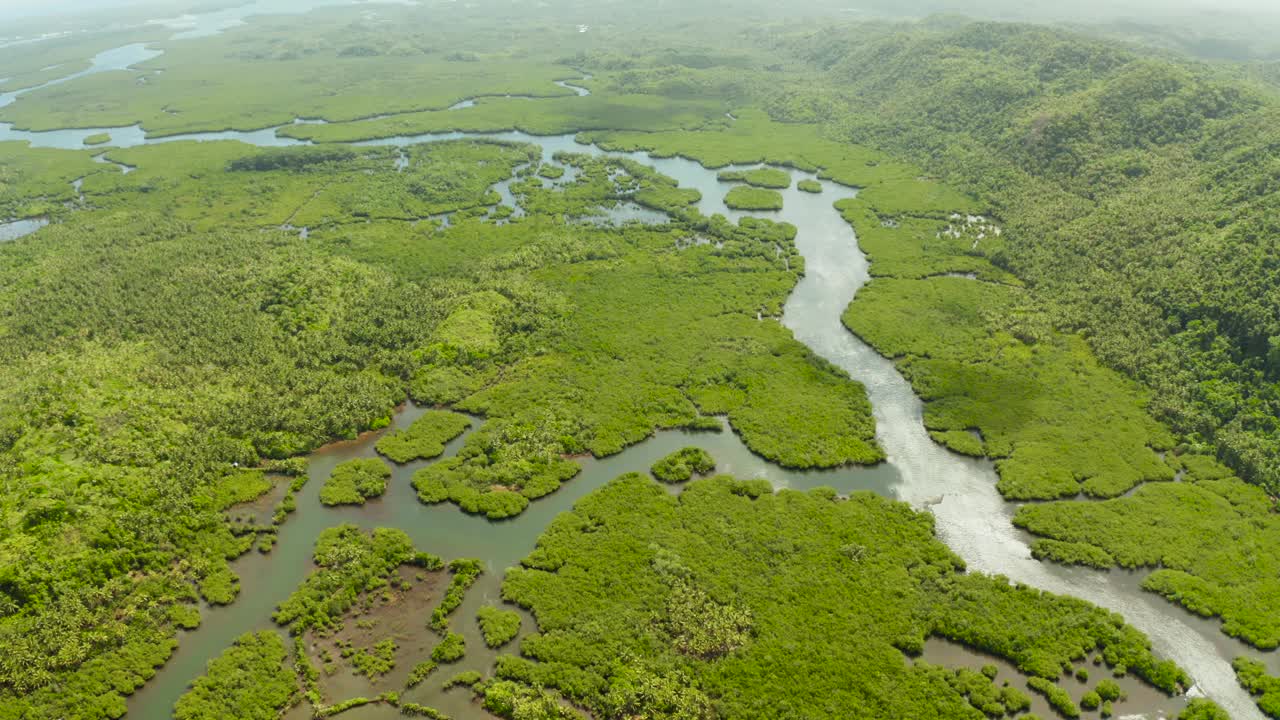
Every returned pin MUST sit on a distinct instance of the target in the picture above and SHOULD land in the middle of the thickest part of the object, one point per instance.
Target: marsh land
(387, 360)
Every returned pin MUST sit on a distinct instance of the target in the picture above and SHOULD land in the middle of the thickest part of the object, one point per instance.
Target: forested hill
(1139, 195)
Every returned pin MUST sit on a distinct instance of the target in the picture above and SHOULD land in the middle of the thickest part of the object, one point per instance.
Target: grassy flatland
(554, 116)
(340, 67)
(306, 186)
(37, 182)
(754, 138)
(26, 65)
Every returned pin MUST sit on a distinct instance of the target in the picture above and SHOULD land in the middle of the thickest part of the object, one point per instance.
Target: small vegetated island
(354, 613)
(355, 481)
(745, 197)
(182, 333)
(425, 438)
(773, 178)
(682, 465)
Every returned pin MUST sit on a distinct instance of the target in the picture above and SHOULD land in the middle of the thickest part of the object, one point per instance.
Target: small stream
(267, 580)
(115, 59)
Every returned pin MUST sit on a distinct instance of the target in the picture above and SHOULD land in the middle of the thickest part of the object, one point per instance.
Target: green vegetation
(469, 678)
(1069, 553)
(731, 364)
(311, 187)
(1058, 698)
(644, 600)
(414, 709)
(1202, 709)
(520, 702)
(420, 672)
(349, 564)
(250, 680)
(37, 182)
(755, 137)
(744, 197)
(185, 616)
(450, 649)
(425, 438)
(202, 87)
(683, 464)
(324, 711)
(978, 371)
(163, 334)
(809, 186)
(498, 626)
(1086, 162)
(982, 694)
(761, 177)
(1253, 677)
(465, 572)
(638, 112)
(27, 64)
(360, 574)
(355, 481)
(1178, 529)
(377, 660)
(1109, 690)
(557, 333)
(98, 139)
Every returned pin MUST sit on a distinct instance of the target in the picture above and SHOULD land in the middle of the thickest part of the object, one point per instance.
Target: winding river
(971, 516)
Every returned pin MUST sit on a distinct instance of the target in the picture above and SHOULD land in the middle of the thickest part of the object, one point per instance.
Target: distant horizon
(1098, 10)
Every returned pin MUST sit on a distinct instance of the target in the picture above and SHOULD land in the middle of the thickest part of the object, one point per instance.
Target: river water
(19, 228)
(971, 516)
(115, 59)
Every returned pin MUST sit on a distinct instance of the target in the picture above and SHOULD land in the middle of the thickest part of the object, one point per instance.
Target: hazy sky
(31, 8)
(1071, 10)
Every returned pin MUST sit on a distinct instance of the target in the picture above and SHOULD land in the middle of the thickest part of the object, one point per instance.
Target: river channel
(971, 516)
